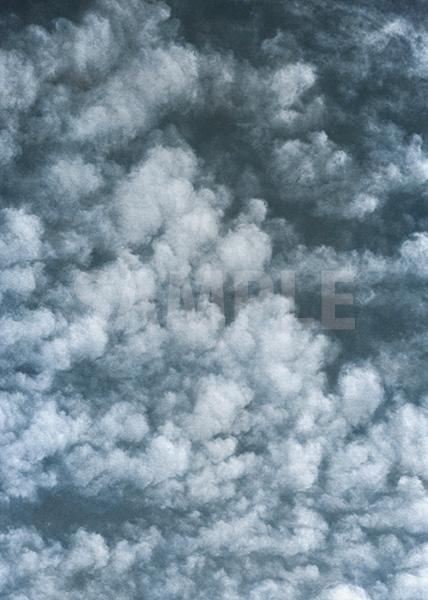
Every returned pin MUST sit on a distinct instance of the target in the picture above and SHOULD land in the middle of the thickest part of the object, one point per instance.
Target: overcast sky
(154, 454)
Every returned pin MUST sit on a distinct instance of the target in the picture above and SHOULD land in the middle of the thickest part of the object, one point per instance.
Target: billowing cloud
(157, 156)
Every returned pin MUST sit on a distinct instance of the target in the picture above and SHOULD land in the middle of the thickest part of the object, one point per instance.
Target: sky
(149, 151)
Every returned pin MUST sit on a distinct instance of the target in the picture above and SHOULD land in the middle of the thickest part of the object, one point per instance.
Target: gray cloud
(156, 454)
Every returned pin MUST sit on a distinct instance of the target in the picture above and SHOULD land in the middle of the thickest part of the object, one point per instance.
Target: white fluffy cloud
(157, 453)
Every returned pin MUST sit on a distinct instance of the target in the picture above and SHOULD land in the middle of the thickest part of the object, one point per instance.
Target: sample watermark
(213, 286)
(213, 293)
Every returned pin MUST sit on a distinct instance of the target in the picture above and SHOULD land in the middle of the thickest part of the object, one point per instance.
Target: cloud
(228, 453)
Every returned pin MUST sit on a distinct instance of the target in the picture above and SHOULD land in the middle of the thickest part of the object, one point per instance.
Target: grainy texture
(172, 458)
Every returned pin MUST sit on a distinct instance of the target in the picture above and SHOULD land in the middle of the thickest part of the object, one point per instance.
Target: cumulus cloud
(156, 157)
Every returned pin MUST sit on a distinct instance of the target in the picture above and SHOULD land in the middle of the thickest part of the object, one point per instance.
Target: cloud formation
(160, 453)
